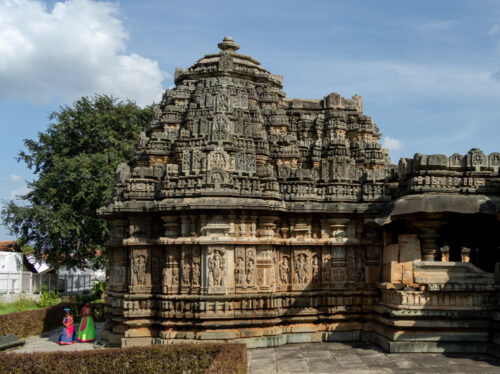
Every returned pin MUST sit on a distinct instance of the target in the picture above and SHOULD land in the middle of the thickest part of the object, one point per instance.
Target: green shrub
(48, 298)
(33, 322)
(182, 358)
(36, 322)
(98, 289)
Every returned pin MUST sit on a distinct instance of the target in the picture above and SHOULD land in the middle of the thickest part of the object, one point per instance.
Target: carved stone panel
(250, 267)
(326, 267)
(221, 126)
(266, 277)
(140, 262)
(225, 62)
(186, 267)
(216, 264)
(239, 267)
(356, 262)
(219, 159)
(301, 269)
(196, 267)
(170, 273)
(285, 270)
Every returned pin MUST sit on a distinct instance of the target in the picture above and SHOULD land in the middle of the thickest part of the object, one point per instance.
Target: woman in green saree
(86, 330)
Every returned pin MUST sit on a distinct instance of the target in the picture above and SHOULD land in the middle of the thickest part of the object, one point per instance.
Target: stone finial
(465, 254)
(445, 253)
(228, 44)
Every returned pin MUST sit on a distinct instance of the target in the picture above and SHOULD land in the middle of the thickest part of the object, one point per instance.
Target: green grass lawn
(19, 306)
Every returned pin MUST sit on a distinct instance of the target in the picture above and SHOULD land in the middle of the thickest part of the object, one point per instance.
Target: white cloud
(15, 178)
(14, 194)
(76, 48)
(435, 26)
(391, 143)
(495, 29)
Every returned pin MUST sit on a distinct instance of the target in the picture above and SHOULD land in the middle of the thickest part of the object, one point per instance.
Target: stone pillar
(232, 220)
(429, 235)
(170, 226)
(268, 226)
(253, 226)
(242, 229)
(194, 231)
(185, 226)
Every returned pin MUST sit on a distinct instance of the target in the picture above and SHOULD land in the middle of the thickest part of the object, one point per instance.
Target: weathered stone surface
(248, 216)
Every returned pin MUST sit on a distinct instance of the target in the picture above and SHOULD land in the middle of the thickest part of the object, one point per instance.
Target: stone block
(303, 328)
(271, 331)
(141, 332)
(217, 335)
(407, 273)
(136, 342)
(250, 332)
(299, 338)
(341, 336)
(114, 340)
(409, 247)
(118, 329)
(392, 272)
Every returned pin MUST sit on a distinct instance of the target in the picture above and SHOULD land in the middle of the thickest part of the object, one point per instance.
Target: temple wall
(247, 216)
(243, 277)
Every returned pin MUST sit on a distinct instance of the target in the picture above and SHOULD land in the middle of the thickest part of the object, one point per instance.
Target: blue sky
(428, 71)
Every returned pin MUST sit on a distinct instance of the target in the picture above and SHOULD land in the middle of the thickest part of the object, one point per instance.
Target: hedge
(36, 322)
(182, 358)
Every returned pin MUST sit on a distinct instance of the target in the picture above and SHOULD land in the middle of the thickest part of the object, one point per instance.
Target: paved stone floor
(48, 342)
(348, 358)
(359, 358)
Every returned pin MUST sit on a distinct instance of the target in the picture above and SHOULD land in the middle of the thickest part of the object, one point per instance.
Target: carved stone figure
(139, 270)
(251, 272)
(186, 271)
(301, 268)
(240, 272)
(216, 269)
(196, 272)
(315, 268)
(285, 270)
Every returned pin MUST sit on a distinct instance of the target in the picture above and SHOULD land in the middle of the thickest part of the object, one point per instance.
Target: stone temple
(251, 217)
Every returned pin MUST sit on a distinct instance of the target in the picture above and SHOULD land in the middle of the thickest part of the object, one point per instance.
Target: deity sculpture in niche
(240, 272)
(251, 272)
(315, 268)
(250, 266)
(301, 268)
(196, 271)
(186, 271)
(216, 267)
(139, 270)
(220, 127)
(285, 270)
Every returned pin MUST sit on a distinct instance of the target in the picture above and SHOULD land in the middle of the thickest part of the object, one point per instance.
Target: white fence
(28, 282)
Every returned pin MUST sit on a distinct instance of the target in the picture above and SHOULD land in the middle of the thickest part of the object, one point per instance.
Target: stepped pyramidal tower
(248, 216)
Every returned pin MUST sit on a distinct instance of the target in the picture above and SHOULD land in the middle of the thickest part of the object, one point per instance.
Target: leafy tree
(74, 163)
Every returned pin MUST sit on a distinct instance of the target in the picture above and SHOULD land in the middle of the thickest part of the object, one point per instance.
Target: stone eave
(439, 203)
(232, 203)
